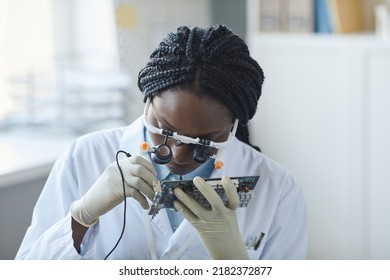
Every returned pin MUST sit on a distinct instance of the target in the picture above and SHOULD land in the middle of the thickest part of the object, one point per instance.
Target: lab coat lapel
(185, 244)
(132, 138)
(161, 225)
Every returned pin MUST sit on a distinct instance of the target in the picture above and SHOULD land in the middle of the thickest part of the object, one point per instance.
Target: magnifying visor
(162, 153)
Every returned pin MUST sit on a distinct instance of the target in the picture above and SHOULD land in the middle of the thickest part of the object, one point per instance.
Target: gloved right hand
(218, 227)
(107, 191)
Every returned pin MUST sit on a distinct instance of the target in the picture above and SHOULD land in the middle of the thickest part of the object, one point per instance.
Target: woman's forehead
(189, 113)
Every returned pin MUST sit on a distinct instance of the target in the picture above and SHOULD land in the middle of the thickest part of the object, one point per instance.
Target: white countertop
(28, 154)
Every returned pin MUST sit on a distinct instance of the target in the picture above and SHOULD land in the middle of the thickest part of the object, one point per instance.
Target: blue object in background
(322, 17)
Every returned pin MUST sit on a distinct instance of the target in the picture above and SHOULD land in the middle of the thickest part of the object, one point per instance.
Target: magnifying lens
(162, 154)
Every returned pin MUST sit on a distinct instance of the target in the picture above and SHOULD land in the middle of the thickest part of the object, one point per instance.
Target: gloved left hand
(218, 227)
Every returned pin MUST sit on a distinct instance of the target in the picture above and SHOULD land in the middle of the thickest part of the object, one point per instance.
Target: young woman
(201, 88)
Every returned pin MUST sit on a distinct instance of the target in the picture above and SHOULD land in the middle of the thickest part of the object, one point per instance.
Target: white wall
(323, 114)
(376, 160)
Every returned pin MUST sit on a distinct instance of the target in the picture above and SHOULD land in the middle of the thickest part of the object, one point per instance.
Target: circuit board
(164, 196)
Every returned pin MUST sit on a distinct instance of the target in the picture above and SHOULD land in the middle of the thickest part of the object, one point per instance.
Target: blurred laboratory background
(70, 67)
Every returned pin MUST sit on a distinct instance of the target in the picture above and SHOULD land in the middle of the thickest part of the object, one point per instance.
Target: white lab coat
(277, 210)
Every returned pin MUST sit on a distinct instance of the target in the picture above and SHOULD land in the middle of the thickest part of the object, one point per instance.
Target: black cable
(124, 201)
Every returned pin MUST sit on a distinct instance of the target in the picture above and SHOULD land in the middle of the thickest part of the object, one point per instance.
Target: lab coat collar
(133, 133)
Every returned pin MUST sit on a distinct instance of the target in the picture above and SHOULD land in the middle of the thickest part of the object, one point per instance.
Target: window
(74, 64)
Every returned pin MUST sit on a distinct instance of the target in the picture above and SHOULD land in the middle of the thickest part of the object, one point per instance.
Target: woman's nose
(182, 154)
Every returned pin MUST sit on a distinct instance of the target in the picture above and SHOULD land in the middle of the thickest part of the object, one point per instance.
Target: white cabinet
(324, 114)
(377, 156)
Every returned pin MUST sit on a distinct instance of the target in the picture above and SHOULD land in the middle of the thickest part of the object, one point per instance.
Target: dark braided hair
(213, 62)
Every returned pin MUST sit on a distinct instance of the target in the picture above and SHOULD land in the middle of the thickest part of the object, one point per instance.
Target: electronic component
(164, 196)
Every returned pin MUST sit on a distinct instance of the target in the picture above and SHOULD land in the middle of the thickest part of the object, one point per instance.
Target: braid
(171, 64)
(213, 62)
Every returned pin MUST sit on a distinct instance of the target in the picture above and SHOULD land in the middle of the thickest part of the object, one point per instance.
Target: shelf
(353, 41)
